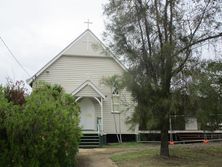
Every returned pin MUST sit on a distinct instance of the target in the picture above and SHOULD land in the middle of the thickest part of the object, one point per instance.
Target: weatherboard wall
(71, 71)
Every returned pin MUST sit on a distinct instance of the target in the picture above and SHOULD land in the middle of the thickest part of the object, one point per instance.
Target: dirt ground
(198, 154)
(98, 157)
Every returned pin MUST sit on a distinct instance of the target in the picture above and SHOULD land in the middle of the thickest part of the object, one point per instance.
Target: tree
(207, 91)
(156, 39)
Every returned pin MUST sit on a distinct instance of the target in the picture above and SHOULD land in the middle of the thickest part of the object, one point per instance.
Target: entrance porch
(90, 100)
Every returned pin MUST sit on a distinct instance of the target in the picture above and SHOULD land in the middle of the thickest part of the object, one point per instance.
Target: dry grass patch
(192, 155)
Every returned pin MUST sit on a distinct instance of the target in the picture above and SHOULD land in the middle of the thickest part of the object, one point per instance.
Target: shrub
(45, 132)
(15, 92)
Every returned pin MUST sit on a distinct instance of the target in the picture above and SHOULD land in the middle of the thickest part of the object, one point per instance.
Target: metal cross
(88, 23)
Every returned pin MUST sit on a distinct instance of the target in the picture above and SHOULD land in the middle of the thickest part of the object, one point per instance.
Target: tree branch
(200, 21)
(166, 21)
(198, 41)
(158, 24)
(171, 22)
(146, 28)
(188, 50)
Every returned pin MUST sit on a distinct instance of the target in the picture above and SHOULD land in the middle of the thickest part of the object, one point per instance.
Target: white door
(87, 114)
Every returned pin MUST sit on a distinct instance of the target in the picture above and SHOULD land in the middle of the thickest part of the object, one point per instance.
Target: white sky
(37, 30)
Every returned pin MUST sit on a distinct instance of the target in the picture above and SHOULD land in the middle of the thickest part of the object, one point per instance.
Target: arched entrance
(87, 114)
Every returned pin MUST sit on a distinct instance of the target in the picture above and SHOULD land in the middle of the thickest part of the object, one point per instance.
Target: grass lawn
(186, 155)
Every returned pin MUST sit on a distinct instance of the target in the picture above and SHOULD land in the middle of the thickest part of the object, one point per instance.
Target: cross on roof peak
(88, 23)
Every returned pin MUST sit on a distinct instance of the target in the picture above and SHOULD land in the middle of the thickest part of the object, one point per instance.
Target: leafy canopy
(43, 131)
(207, 90)
(156, 38)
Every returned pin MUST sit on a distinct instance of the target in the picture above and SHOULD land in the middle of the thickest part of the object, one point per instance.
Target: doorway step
(90, 140)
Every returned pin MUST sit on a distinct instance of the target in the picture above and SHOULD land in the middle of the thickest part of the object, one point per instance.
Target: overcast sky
(37, 30)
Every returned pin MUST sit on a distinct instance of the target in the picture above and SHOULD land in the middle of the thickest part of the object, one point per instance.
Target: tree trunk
(164, 148)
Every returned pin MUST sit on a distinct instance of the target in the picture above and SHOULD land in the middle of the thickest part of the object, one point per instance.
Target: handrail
(99, 125)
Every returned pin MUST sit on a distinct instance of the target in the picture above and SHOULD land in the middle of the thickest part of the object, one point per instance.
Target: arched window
(115, 91)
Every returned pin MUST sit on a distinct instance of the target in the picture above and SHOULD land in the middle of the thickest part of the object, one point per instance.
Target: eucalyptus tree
(156, 39)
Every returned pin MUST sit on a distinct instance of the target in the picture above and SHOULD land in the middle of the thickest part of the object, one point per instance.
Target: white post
(120, 135)
(101, 104)
(171, 135)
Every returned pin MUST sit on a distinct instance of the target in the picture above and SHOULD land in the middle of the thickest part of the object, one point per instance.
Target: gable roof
(88, 83)
(65, 50)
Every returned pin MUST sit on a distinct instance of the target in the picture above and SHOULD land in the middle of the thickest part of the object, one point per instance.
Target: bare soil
(98, 157)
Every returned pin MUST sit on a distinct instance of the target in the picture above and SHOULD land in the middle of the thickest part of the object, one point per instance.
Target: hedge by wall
(43, 131)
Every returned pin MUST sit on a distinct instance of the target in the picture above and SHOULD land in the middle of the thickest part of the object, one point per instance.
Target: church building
(80, 69)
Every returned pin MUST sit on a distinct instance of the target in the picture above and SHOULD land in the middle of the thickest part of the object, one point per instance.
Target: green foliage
(43, 132)
(114, 82)
(156, 39)
(207, 89)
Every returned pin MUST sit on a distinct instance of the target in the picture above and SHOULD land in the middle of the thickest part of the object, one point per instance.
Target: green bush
(42, 132)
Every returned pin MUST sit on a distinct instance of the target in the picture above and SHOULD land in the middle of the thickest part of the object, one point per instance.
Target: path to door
(98, 157)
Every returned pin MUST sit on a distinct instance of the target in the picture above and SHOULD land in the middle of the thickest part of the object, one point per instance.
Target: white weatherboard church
(79, 69)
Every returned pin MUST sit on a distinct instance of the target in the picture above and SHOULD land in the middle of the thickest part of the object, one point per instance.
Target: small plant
(15, 92)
